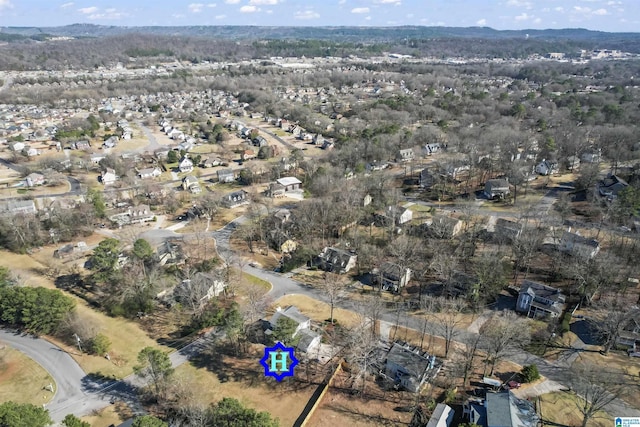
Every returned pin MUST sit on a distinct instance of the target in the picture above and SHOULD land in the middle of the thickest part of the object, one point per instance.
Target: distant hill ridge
(376, 34)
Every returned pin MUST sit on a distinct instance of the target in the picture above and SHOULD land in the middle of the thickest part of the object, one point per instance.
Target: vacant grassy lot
(127, 338)
(21, 379)
(560, 409)
(316, 310)
(111, 415)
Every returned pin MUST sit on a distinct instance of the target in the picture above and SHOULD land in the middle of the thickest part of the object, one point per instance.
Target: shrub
(565, 326)
(530, 373)
(99, 345)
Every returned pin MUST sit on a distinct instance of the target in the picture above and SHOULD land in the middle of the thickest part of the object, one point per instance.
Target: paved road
(71, 394)
(153, 143)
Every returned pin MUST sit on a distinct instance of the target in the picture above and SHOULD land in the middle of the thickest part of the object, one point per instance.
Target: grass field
(111, 415)
(316, 310)
(21, 379)
(560, 409)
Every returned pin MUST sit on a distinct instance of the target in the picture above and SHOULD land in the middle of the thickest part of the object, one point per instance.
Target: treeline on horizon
(93, 52)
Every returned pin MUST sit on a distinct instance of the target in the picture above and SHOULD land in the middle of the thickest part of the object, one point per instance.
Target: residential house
(507, 230)
(547, 167)
(442, 227)
(573, 163)
(34, 179)
(97, 158)
(81, 145)
(108, 177)
(318, 140)
(630, 334)
(110, 142)
(15, 207)
(282, 215)
(133, 215)
(496, 188)
(30, 151)
(235, 199)
(185, 165)
(442, 416)
(427, 179)
(17, 146)
(226, 175)
(375, 165)
(70, 249)
(593, 156)
(190, 183)
(405, 155)
(149, 173)
(308, 340)
(328, 145)
(577, 245)
(170, 253)
(502, 409)
(209, 286)
(539, 300)
(398, 215)
(391, 277)
(275, 190)
(432, 148)
(259, 141)
(611, 186)
(209, 162)
(337, 260)
(290, 183)
(409, 367)
(248, 155)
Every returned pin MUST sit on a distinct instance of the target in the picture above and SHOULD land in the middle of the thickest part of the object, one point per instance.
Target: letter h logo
(275, 361)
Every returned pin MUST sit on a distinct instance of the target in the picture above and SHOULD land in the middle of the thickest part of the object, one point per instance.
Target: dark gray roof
(290, 312)
(536, 289)
(413, 362)
(577, 239)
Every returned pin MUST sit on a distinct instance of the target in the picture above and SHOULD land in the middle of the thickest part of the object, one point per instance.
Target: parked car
(512, 385)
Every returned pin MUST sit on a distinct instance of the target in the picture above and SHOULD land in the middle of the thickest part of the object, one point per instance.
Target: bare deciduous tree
(597, 388)
(447, 319)
(502, 335)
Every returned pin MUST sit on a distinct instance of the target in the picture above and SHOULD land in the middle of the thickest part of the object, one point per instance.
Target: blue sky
(605, 15)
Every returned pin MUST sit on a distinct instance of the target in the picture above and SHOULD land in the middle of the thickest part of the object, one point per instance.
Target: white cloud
(482, 22)
(87, 10)
(600, 12)
(360, 10)
(66, 5)
(581, 9)
(232, 1)
(249, 9)
(211, 5)
(5, 4)
(195, 7)
(306, 14)
(178, 16)
(522, 17)
(263, 2)
(614, 3)
(559, 9)
(537, 21)
(520, 3)
(109, 14)
(221, 16)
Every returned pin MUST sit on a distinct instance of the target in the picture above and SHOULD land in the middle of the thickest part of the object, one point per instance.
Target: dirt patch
(21, 379)
(341, 407)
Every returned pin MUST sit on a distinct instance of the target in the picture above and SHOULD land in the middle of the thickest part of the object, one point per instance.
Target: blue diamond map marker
(275, 361)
